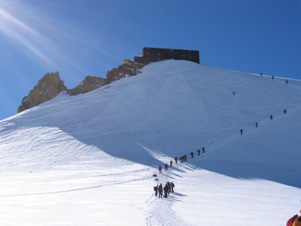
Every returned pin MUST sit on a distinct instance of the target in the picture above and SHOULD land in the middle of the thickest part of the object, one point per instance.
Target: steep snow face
(110, 141)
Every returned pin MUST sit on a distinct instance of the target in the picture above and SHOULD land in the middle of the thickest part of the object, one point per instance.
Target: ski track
(104, 184)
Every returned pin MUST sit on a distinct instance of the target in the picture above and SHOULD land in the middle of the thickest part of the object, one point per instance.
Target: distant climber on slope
(156, 190)
(160, 169)
(172, 185)
(166, 166)
(191, 153)
(176, 160)
(166, 189)
(160, 190)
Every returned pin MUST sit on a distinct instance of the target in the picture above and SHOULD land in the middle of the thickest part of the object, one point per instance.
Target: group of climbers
(159, 189)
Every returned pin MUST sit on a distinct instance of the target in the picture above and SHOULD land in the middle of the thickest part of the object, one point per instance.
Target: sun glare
(22, 33)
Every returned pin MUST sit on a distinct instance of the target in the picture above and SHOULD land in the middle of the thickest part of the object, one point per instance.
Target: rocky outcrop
(47, 88)
(51, 85)
(88, 84)
(126, 69)
(92, 82)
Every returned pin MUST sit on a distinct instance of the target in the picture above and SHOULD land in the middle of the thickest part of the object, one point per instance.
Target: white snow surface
(90, 159)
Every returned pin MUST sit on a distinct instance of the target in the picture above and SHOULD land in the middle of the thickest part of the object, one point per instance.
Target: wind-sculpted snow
(90, 159)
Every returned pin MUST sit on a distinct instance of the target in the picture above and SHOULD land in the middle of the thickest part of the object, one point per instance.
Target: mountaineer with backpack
(294, 220)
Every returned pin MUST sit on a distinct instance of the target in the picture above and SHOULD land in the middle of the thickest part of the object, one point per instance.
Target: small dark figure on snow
(160, 190)
(256, 124)
(172, 185)
(284, 111)
(170, 163)
(286, 81)
(176, 160)
(166, 188)
(183, 158)
(271, 117)
(203, 149)
(160, 169)
(273, 77)
(241, 131)
(156, 190)
(166, 166)
(199, 152)
(191, 153)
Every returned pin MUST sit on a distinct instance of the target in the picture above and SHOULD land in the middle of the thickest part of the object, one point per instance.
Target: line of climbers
(169, 186)
(182, 159)
(256, 123)
(273, 78)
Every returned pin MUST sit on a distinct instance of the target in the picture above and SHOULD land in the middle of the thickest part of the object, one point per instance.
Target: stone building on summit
(159, 54)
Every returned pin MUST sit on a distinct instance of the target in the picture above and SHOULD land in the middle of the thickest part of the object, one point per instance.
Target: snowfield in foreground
(90, 159)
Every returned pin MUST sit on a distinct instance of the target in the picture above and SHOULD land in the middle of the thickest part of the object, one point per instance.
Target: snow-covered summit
(116, 136)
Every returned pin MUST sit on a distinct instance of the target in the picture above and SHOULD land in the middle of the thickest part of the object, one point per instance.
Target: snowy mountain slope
(94, 155)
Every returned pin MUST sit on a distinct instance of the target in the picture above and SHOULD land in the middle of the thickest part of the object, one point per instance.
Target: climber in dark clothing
(160, 169)
(172, 185)
(191, 153)
(166, 188)
(160, 190)
(156, 190)
(176, 160)
(199, 152)
(166, 166)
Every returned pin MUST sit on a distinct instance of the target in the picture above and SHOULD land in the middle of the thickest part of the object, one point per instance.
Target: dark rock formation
(126, 69)
(50, 85)
(88, 84)
(47, 88)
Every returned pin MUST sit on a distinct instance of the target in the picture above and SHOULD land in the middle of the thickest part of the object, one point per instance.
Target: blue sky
(90, 37)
